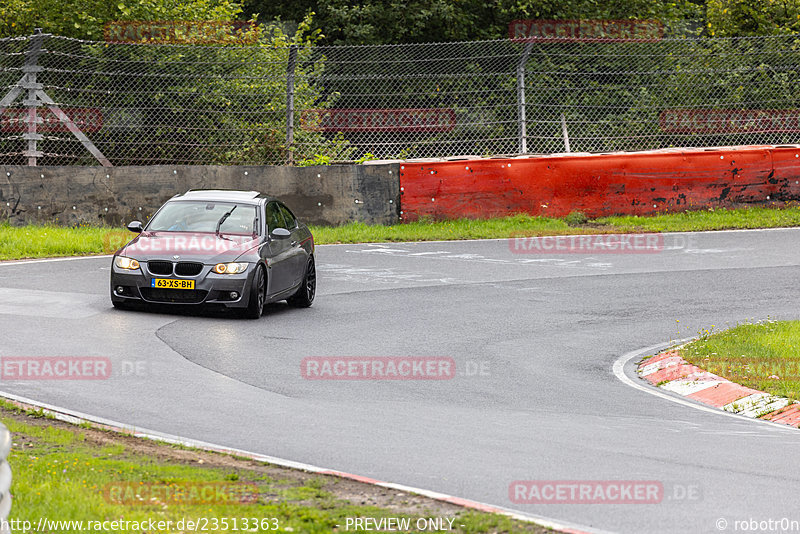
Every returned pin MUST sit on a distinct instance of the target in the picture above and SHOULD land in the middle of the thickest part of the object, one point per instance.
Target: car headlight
(126, 263)
(230, 268)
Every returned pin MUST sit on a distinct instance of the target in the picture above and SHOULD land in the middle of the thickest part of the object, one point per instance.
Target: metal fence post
(37, 97)
(392, 101)
(31, 68)
(290, 70)
(522, 130)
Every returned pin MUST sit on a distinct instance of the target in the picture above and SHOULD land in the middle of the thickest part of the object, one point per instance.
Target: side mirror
(280, 233)
(135, 226)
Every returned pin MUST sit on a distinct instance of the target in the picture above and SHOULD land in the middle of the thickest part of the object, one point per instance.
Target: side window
(291, 222)
(274, 217)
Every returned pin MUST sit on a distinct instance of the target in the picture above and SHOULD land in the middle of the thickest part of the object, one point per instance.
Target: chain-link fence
(71, 102)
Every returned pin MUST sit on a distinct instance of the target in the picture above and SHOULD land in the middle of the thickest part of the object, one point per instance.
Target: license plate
(170, 283)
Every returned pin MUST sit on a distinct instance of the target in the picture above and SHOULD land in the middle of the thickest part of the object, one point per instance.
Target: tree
(185, 103)
(740, 18)
(84, 19)
(419, 21)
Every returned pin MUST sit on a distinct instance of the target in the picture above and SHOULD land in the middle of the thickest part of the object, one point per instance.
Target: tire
(308, 288)
(258, 295)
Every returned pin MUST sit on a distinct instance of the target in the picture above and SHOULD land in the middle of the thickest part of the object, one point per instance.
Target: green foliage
(420, 21)
(369, 156)
(252, 79)
(84, 19)
(219, 104)
(613, 94)
(576, 218)
(739, 18)
(316, 149)
(43, 241)
(60, 474)
(763, 356)
(17, 17)
(316, 159)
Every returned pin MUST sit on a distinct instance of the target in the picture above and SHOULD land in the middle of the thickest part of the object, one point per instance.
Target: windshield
(187, 216)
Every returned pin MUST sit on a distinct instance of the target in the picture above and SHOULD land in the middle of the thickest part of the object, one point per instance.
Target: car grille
(159, 267)
(185, 296)
(188, 269)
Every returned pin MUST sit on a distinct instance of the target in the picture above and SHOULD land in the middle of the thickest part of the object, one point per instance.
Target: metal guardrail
(5, 478)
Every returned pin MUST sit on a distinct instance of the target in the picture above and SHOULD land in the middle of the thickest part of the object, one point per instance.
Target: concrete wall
(330, 195)
(638, 183)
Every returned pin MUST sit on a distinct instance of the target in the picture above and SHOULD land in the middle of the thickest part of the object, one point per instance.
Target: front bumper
(210, 288)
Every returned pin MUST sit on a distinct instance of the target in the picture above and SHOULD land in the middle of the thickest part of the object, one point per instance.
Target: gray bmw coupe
(232, 249)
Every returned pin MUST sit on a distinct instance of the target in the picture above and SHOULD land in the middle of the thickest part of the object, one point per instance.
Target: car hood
(189, 246)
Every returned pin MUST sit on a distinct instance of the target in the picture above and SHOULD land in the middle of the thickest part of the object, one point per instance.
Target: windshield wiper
(223, 218)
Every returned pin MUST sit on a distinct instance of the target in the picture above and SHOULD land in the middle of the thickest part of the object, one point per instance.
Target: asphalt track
(545, 329)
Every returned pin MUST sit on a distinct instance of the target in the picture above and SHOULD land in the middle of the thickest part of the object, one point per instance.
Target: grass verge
(763, 356)
(47, 241)
(77, 473)
(573, 224)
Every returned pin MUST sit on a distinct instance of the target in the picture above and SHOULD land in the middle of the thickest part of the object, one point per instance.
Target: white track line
(786, 228)
(619, 372)
(618, 368)
(782, 228)
(49, 260)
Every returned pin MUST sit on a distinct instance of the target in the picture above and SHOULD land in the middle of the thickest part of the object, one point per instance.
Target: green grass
(764, 356)
(444, 230)
(720, 219)
(46, 241)
(61, 474)
(524, 225)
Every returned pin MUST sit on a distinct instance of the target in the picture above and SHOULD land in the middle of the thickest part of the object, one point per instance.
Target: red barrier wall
(599, 184)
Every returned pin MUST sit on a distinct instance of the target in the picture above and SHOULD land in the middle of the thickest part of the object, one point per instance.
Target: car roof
(221, 195)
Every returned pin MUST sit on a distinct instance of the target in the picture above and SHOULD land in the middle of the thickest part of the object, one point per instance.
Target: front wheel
(258, 295)
(308, 288)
